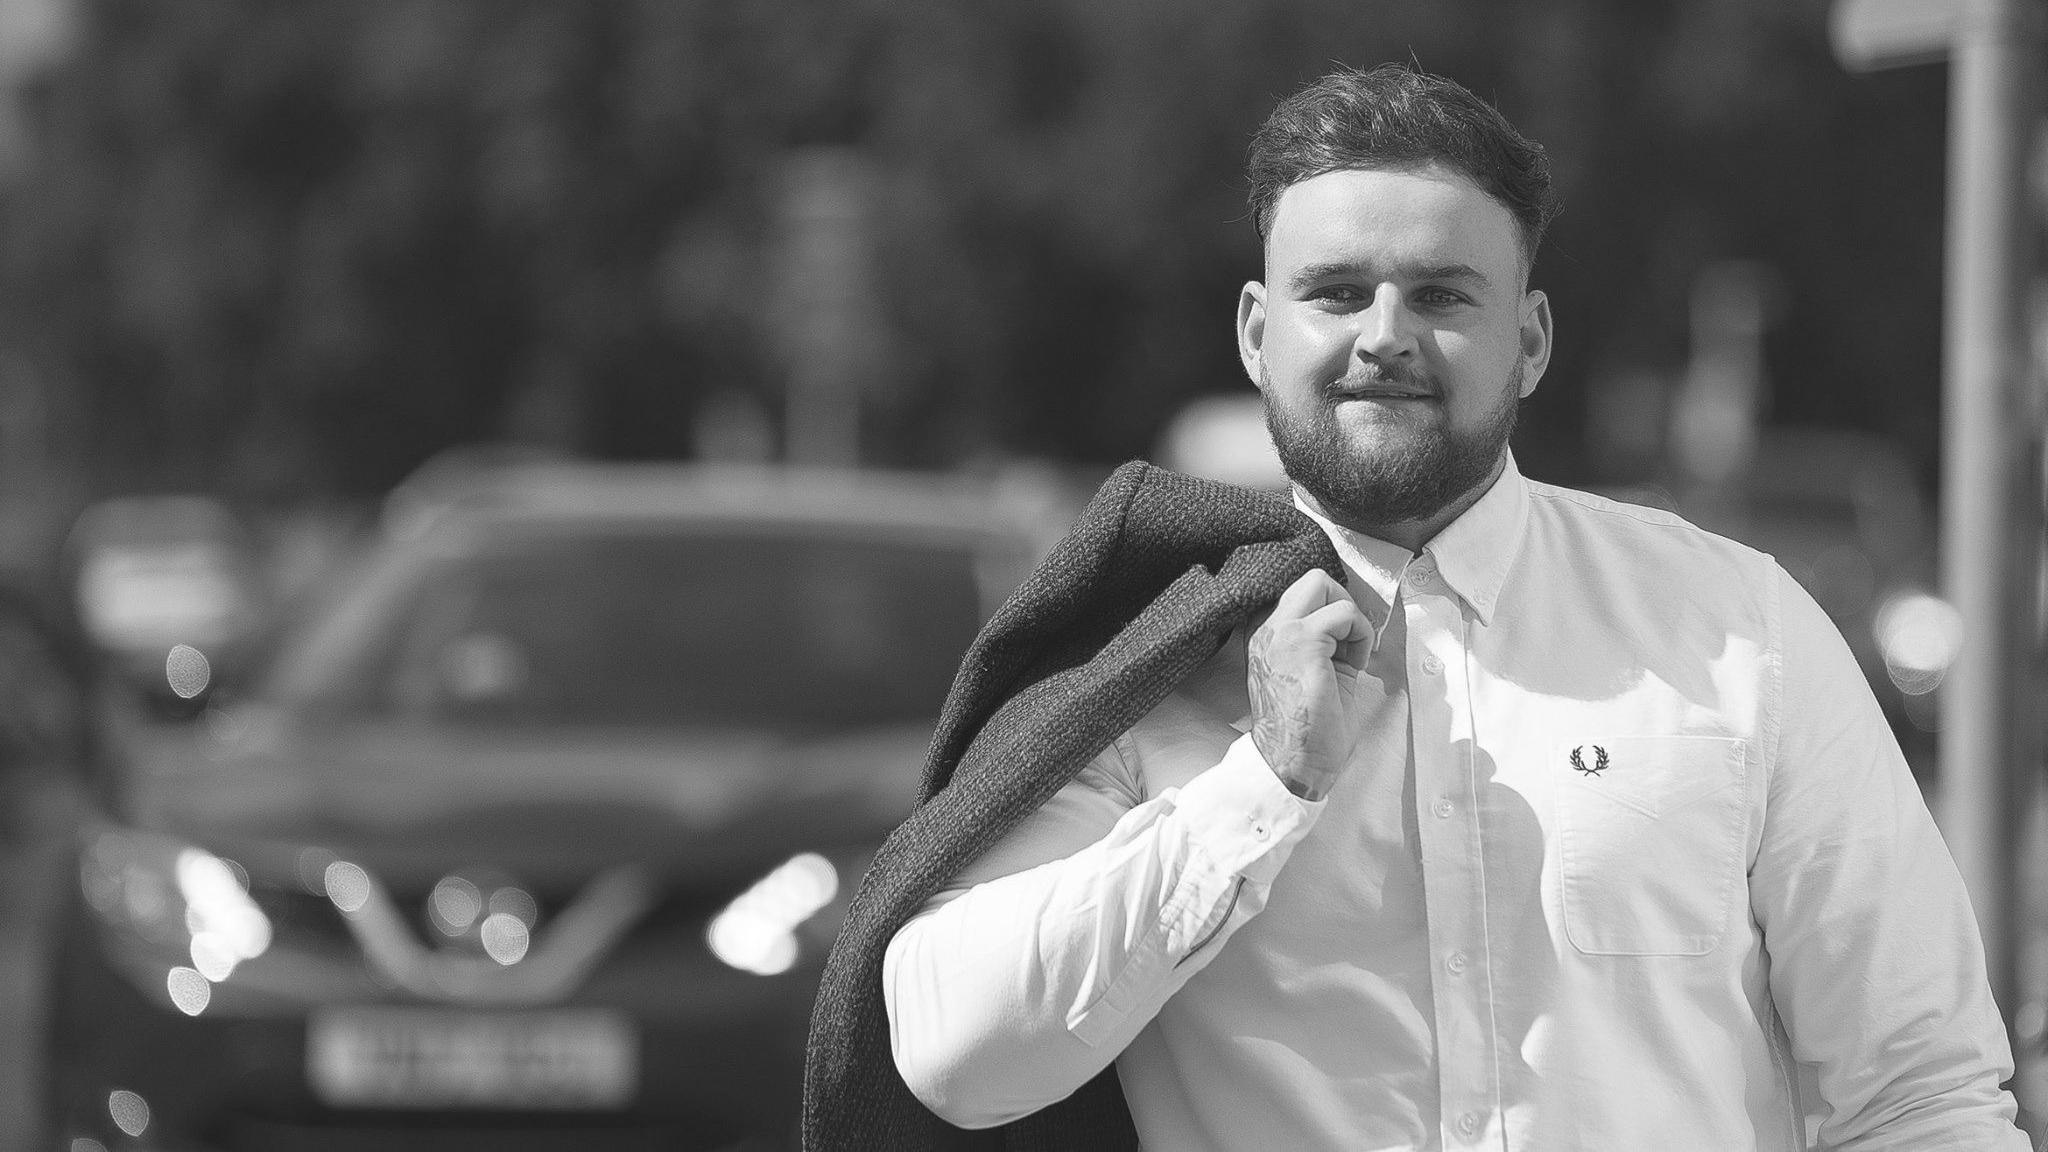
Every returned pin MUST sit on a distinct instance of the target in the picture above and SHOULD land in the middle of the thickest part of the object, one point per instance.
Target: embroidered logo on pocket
(1599, 764)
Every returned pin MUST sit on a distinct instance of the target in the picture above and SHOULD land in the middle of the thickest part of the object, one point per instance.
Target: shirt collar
(1375, 565)
(1473, 553)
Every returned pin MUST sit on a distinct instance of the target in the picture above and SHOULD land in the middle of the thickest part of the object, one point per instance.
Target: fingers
(1316, 610)
(1346, 629)
(1310, 591)
(1322, 605)
(1341, 622)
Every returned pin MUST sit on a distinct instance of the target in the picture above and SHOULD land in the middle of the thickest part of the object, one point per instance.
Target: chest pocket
(1651, 832)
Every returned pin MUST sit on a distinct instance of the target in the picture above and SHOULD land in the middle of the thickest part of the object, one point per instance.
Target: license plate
(415, 1058)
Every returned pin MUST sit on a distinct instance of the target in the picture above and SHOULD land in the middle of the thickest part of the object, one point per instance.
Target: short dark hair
(1395, 116)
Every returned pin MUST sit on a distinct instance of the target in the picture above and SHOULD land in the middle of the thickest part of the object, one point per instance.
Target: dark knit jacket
(1154, 575)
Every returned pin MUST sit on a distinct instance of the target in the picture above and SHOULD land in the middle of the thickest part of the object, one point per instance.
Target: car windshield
(583, 628)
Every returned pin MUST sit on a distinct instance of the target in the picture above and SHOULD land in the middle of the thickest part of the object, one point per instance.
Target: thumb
(1353, 634)
(1352, 655)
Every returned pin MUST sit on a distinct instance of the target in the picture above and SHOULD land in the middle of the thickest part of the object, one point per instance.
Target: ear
(1535, 339)
(1251, 329)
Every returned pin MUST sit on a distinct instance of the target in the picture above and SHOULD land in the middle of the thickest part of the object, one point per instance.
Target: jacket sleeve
(1877, 968)
(1027, 977)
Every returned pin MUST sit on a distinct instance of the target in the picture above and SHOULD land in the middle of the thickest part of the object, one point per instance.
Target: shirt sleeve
(1032, 972)
(1876, 965)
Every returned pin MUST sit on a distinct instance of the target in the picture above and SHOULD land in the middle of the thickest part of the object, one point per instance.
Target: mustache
(1375, 376)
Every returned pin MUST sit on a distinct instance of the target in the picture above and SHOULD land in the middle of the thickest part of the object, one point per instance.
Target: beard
(1413, 476)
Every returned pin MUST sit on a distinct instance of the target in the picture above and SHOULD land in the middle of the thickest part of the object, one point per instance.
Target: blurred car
(533, 835)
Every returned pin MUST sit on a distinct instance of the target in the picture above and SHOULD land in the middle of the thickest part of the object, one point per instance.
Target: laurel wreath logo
(1599, 760)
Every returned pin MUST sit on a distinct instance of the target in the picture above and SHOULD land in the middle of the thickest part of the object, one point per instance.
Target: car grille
(671, 927)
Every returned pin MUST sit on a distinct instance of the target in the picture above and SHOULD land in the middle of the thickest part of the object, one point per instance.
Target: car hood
(551, 804)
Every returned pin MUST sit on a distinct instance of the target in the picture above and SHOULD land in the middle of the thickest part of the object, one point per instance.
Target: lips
(1379, 386)
(1380, 392)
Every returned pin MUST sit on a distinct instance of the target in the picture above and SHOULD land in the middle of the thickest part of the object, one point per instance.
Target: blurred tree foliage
(286, 247)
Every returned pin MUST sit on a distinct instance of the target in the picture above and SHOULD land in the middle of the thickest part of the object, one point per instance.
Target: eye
(1337, 294)
(1439, 298)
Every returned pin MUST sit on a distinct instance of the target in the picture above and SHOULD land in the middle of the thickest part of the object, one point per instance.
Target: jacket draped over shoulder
(1156, 572)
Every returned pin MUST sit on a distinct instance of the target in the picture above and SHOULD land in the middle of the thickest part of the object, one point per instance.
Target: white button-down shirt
(1626, 858)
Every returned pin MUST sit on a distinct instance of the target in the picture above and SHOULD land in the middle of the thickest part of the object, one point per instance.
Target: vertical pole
(1985, 773)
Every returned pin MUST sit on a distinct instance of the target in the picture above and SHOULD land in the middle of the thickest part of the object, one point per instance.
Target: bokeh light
(188, 671)
(347, 885)
(213, 957)
(505, 938)
(226, 925)
(129, 1111)
(756, 932)
(454, 904)
(1920, 635)
(517, 903)
(190, 990)
(312, 868)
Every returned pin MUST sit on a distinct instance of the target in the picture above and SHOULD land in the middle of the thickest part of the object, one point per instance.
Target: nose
(1386, 330)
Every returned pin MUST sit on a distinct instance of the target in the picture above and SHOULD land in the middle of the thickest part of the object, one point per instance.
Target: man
(1558, 824)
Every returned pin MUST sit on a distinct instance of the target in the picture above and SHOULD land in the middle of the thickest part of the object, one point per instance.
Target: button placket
(1454, 896)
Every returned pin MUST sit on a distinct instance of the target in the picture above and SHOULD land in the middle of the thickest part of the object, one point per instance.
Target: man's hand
(1302, 671)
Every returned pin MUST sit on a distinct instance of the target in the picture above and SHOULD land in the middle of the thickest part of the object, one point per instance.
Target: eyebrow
(1309, 274)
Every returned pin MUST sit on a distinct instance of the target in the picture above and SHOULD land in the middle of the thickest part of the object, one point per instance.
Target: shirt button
(1431, 664)
(1420, 575)
(1443, 808)
(1258, 831)
(1455, 963)
(1468, 1124)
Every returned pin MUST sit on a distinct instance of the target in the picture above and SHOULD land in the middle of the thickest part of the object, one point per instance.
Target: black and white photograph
(1023, 575)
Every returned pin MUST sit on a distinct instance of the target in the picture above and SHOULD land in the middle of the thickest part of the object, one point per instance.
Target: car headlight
(757, 931)
(178, 896)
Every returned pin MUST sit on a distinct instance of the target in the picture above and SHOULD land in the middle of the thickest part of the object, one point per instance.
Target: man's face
(1392, 339)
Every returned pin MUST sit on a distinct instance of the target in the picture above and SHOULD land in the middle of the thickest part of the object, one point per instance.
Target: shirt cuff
(1242, 818)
